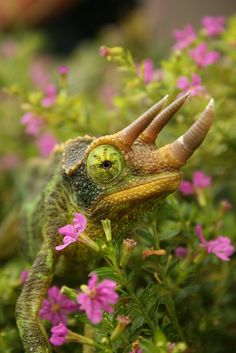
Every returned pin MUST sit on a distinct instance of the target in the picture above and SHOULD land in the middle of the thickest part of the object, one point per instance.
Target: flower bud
(107, 229)
(122, 322)
(127, 251)
(150, 252)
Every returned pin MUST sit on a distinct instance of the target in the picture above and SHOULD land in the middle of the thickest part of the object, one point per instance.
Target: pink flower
(50, 94)
(221, 246)
(181, 251)
(213, 25)
(59, 335)
(202, 56)
(23, 276)
(63, 70)
(57, 307)
(97, 298)
(46, 143)
(147, 71)
(32, 123)
(71, 231)
(195, 86)
(199, 181)
(184, 37)
(104, 51)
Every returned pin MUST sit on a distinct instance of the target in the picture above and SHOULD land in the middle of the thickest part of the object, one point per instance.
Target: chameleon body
(119, 177)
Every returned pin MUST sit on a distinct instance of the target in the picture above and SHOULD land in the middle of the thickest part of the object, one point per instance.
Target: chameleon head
(113, 174)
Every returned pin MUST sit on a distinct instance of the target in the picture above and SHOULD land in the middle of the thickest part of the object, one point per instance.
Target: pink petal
(80, 222)
(186, 188)
(68, 230)
(200, 235)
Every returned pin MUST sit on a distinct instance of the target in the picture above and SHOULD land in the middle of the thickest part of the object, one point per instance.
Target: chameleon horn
(186, 144)
(128, 135)
(150, 134)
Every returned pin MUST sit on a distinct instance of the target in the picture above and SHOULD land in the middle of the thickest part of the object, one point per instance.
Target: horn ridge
(186, 144)
(151, 132)
(129, 134)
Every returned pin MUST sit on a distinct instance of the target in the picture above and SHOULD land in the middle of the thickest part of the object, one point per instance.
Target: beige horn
(129, 134)
(152, 131)
(186, 144)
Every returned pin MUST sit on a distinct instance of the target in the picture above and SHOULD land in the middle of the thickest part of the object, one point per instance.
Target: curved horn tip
(211, 105)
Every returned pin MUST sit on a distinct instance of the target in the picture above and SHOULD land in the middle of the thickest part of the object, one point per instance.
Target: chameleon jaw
(116, 203)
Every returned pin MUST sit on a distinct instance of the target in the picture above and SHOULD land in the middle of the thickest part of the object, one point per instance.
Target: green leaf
(170, 233)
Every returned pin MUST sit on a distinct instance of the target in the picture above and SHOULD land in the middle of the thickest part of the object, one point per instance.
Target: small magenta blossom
(57, 307)
(181, 251)
(203, 57)
(96, 298)
(59, 335)
(213, 25)
(63, 70)
(50, 94)
(45, 143)
(147, 71)
(184, 37)
(23, 276)
(195, 86)
(71, 232)
(199, 181)
(32, 122)
(221, 246)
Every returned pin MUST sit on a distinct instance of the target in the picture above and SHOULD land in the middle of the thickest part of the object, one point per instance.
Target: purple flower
(199, 181)
(195, 86)
(63, 70)
(184, 37)
(46, 143)
(59, 334)
(213, 25)
(221, 246)
(202, 56)
(97, 298)
(57, 307)
(23, 276)
(181, 251)
(32, 123)
(71, 231)
(50, 94)
(147, 71)
(186, 188)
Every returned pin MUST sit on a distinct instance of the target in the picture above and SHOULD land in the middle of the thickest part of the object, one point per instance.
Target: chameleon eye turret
(105, 163)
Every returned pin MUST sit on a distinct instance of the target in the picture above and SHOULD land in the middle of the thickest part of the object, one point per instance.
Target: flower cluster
(199, 181)
(199, 53)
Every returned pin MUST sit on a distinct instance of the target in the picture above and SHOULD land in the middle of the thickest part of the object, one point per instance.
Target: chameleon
(121, 177)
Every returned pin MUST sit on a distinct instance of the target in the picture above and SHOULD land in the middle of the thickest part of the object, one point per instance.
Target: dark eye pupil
(106, 165)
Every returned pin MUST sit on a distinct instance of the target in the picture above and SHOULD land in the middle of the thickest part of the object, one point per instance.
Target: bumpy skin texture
(115, 177)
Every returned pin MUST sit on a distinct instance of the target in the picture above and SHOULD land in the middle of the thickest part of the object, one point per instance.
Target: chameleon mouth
(130, 197)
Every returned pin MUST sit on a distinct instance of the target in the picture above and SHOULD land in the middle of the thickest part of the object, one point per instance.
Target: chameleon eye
(105, 163)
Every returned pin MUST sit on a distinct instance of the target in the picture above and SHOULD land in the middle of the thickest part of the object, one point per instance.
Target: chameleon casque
(119, 177)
